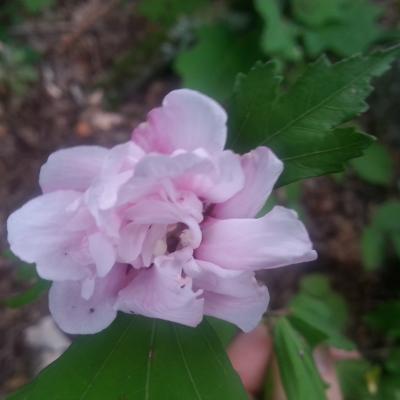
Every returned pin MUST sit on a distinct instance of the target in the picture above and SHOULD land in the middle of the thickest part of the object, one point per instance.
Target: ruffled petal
(275, 240)
(34, 228)
(72, 169)
(102, 252)
(187, 120)
(75, 315)
(131, 241)
(261, 169)
(161, 292)
(220, 183)
(233, 296)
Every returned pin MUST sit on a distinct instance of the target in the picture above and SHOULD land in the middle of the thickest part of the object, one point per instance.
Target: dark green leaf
(169, 11)
(372, 248)
(298, 372)
(279, 35)
(320, 314)
(354, 33)
(218, 56)
(387, 217)
(300, 124)
(139, 358)
(317, 12)
(375, 166)
(385, 318)
(352, 376)
(224, 330)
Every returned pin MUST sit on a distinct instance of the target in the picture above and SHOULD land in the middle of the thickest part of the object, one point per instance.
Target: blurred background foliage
(74, 72)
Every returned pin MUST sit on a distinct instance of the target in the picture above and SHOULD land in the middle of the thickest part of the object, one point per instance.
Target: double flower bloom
(163, 226)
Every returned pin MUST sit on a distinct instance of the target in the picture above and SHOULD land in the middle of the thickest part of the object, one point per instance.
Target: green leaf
(298, 372)
(279, 35)
(375, 166)
(317, 12)
(356, 31)
(372, 248)
(301, 123)
(139, 358)
(352, 376)
(224, 330)
(385, 318)
(387, 217)
(320, 314)
(29, 296)
(218, 56)
(168, 12)
(36, 6)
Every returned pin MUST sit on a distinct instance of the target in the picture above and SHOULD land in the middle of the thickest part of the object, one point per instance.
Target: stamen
(160, 248)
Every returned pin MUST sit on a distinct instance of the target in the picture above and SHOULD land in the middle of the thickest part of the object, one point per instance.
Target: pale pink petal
(102, 252)
(233, 296)
(275, 240)
(154, 243)
(244, 312)
(72, 169)
(35, 227)
(131, 241)
(219, 184)
(187, 120)
(62, 263)
(161, 292)
(261, 169)
(75, 315)
(122, 157)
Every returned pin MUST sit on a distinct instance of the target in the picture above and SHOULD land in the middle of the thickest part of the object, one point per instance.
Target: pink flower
(163, 226)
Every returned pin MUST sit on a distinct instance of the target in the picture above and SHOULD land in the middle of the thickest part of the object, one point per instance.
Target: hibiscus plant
(144, 242)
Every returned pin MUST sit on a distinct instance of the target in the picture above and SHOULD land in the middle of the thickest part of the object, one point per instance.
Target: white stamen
(186, 237)
(160, 248)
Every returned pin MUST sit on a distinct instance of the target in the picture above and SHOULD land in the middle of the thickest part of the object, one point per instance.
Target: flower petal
(161, 292)
(244, 312)
(219, 184)
(72, 169)
(34, 228)
(187, 120)
(275, 240)
(102, 252)
(131, 241)
(261, 169)
(233, 296)
(75, 315)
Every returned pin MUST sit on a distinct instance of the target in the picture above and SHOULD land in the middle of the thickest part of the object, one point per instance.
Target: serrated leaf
(320, 314)
(372, 248)
(354, 33)
(279, 36)
(298, 372)
(301, 123)
(375, 166)
(212, 65)
(317, 12)
(139, 358)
